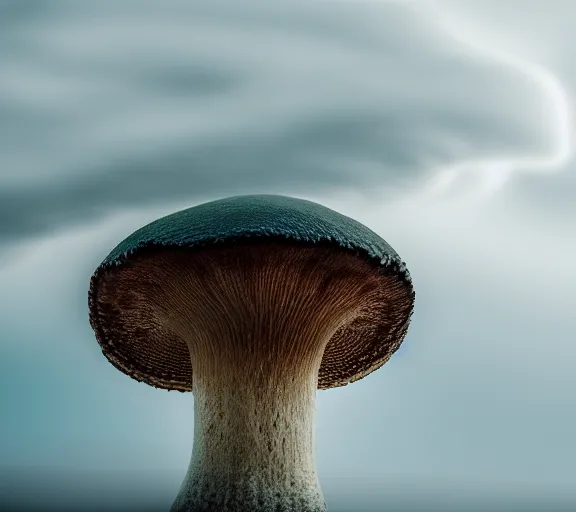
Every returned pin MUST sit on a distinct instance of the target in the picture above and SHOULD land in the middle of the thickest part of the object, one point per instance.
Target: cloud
(110, 107)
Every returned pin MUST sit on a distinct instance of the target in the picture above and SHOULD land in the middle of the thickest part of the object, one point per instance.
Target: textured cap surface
(264, 217)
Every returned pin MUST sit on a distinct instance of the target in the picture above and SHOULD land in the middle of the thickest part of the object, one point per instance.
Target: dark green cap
(267, 218)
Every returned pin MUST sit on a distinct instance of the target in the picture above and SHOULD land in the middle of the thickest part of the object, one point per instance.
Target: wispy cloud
(555, 116)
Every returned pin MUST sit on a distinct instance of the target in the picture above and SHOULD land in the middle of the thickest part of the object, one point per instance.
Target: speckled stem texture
(253, 448)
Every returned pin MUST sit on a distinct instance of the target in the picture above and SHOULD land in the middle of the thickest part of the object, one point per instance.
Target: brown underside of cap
(157, 309)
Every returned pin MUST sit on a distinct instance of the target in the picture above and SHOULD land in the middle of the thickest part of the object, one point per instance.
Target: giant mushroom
(252, 303)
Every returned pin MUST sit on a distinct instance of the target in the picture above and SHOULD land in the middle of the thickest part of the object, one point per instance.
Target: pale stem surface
(253, 444)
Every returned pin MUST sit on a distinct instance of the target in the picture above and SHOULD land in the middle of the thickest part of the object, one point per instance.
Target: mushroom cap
(263, 217)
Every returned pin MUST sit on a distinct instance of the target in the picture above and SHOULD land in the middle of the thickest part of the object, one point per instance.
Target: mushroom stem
(256, 341)
(253, 444)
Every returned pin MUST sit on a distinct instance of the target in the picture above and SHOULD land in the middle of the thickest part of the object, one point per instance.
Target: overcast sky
(445, 126)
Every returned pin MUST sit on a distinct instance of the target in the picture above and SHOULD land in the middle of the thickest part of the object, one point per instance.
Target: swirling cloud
(556, 120)
(126, 105)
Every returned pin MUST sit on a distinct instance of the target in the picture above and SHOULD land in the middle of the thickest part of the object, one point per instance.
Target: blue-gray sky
(445, 126)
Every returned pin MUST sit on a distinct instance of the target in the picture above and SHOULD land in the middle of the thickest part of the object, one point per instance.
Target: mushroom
(253, 303)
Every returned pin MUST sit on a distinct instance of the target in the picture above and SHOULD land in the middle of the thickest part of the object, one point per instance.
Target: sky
(445, 126)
